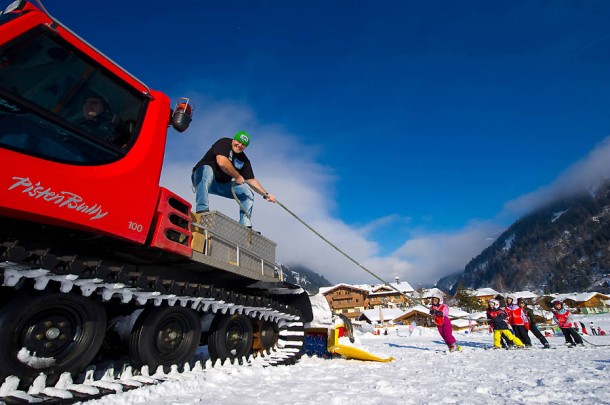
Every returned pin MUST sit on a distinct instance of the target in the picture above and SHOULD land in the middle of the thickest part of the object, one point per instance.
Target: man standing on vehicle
(223, 162)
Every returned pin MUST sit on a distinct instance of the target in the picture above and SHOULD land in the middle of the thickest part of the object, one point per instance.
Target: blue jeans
(205, 183)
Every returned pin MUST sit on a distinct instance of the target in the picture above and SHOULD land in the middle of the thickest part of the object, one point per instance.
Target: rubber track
(19, 265)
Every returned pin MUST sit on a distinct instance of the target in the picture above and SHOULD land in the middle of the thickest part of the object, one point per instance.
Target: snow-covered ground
(422, 373)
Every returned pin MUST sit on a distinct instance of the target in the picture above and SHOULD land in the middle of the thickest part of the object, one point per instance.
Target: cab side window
(58, 104)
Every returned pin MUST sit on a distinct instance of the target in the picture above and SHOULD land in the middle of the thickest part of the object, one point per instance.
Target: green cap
(243, 137)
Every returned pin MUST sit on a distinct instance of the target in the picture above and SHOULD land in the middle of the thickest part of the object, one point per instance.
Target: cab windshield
(57, 104)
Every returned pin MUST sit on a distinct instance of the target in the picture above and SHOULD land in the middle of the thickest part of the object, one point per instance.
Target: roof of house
(482, 292)
(373, 289)
(580, 297)
(325, 290)
(417, 308)
(389, 314)
(481, 315)
(402, 286)
(457, 313)
(522, 294)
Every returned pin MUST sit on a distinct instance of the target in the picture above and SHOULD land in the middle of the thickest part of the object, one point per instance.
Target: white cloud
(582, 175)
(382, 222)
(432, 256)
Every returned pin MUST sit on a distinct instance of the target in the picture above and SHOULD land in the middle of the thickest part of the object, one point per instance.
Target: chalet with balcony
(346, 299)
(393, 295)
(352, 300)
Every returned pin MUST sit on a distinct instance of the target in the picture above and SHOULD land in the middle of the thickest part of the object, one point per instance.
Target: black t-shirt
(240, 161)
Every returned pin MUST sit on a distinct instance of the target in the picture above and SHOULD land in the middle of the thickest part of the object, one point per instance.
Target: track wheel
(49, 333)
(163, 336)
(268, 335)
(114, 346)
(230, 337)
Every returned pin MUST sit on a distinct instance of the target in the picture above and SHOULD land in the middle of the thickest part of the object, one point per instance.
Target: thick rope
(318, 234)
(592, 344)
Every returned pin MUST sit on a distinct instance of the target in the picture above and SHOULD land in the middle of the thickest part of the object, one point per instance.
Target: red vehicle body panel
(118, 199)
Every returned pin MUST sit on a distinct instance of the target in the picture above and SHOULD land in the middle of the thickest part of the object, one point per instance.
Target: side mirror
(182, 114)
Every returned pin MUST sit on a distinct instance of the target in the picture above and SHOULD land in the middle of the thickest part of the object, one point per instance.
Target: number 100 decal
(135, 226)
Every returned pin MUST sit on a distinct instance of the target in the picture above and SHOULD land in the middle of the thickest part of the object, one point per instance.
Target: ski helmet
(437, 295)
(557, 301)
(511, 297)
(494, 303)
(521, 300)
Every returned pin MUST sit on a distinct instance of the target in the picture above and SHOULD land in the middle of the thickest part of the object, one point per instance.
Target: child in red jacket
(516, 320)
(563, 319)
(530, 323)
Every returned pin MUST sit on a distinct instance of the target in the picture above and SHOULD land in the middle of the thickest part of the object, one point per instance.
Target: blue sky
(409, 133)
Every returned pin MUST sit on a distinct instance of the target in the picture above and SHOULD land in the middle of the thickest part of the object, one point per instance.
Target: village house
(381, 316)
(387, 295)
(346, 299)
(484, 294)
(418, 314)
(352, 300)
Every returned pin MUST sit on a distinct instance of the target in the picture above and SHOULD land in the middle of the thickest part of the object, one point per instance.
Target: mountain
(561, 247)
(306, 278)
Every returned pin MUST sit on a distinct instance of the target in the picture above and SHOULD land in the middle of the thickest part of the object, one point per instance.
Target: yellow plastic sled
(350, 352)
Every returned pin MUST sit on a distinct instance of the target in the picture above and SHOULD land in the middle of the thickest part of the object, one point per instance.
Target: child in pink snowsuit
(442, 321)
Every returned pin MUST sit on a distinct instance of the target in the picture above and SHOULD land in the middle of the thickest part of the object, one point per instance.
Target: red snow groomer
(97, 261)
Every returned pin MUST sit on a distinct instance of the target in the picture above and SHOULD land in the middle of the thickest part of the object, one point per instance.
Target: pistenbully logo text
(64, 199)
